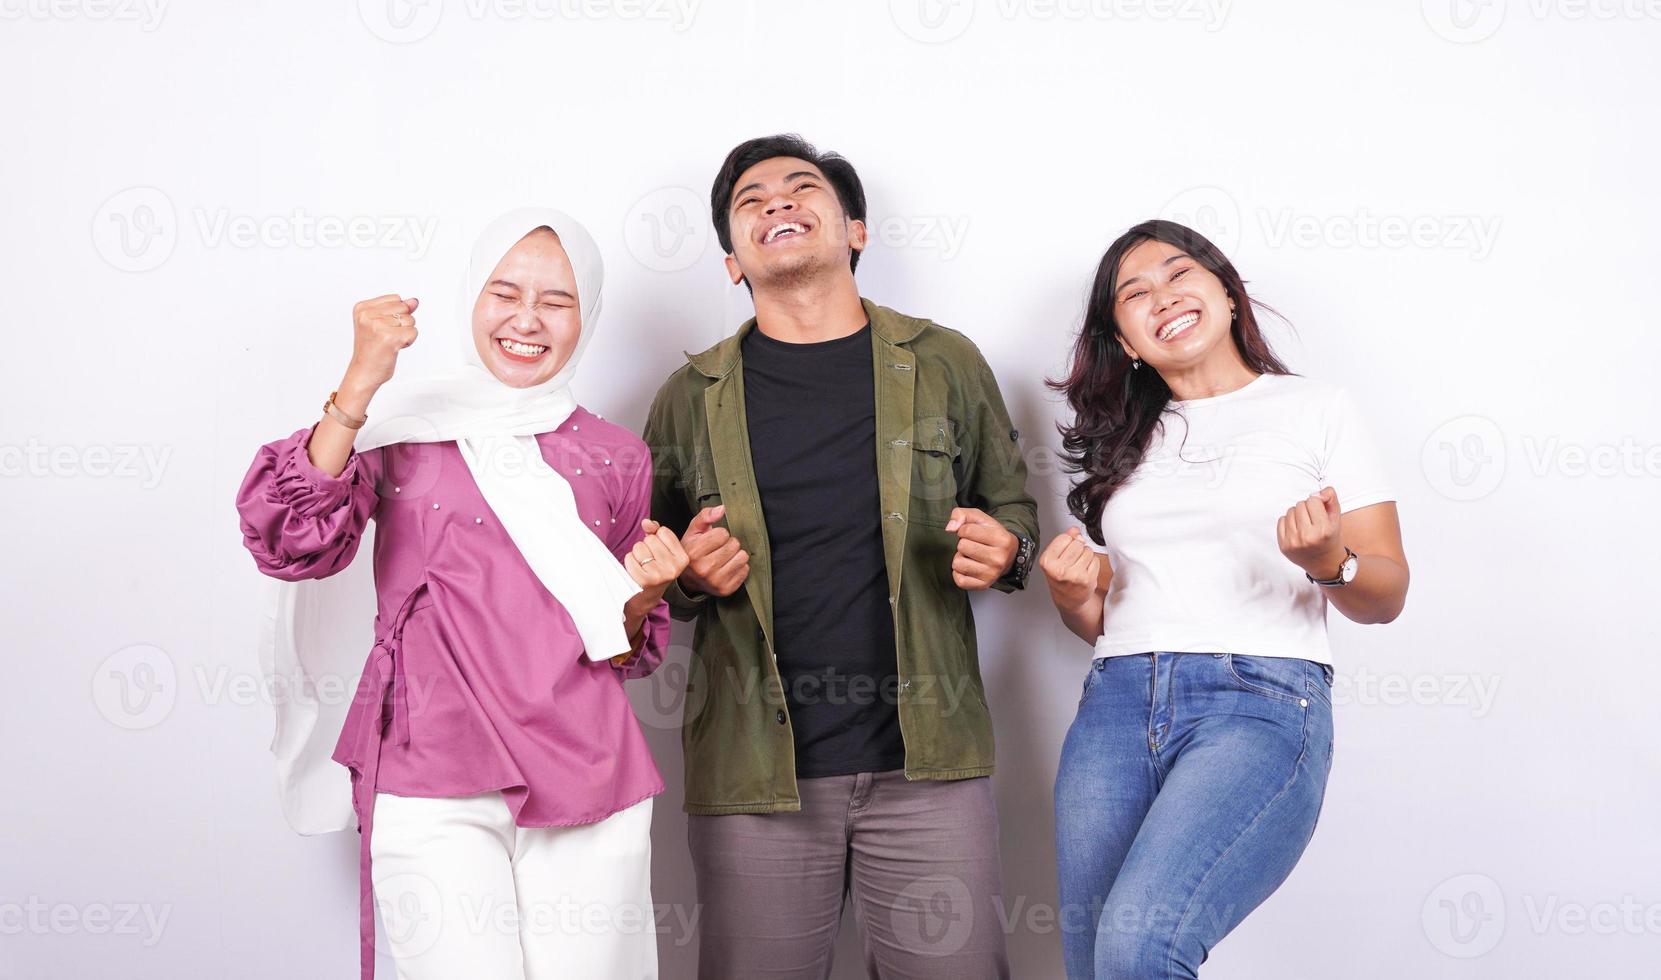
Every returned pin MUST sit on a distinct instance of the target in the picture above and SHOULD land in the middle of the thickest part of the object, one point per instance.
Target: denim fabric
(1189, 785)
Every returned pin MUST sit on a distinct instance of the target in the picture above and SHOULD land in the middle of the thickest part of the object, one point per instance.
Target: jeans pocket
(1092, 679)
(1280, 678)
(1319, 683)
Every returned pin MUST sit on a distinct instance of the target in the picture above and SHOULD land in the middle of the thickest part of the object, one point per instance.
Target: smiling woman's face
(526, 319)
(1171, 311)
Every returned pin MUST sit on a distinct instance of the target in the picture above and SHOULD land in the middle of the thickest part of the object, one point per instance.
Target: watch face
(1346, 571)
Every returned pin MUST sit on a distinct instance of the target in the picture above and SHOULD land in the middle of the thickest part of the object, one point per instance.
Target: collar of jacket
(891, 326)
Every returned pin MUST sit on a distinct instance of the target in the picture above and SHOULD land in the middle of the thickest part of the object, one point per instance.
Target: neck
(811, 312)
(1214, 376)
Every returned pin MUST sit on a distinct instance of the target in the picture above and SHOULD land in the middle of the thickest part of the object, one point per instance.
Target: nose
(780, 203)
(1164, 298)
(524, 319)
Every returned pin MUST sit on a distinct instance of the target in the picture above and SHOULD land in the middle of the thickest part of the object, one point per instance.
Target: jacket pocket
(936, 460)
(706, 489)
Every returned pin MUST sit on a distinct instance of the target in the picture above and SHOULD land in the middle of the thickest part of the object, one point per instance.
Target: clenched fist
(985, 549)
(656, 560)
(1070, 566)
(1308, 534)
(381, 327)
(717, 563)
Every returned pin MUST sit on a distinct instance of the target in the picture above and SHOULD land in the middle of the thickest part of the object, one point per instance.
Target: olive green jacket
(943, 440)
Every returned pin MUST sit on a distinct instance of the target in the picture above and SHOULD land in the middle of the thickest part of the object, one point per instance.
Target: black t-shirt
(812, 419)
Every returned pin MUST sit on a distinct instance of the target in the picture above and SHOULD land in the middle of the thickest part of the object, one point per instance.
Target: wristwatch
(1022, 565)
(1346, 571)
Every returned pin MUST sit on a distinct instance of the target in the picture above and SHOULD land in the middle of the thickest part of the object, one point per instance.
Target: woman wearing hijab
(499, 780)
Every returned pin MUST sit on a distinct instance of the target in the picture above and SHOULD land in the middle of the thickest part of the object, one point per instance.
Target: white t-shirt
(1191, 536)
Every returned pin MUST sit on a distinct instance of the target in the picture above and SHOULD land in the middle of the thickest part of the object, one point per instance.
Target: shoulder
(587, 427)
(934, 344)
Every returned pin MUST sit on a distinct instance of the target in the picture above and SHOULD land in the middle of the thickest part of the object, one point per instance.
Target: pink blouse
(476, 681)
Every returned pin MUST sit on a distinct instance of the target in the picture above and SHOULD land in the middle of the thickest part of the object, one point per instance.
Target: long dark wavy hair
(1116, 408)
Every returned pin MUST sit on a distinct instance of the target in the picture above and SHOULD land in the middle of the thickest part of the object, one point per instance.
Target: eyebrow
(545, 292)
(1134, 279)
(754, 184)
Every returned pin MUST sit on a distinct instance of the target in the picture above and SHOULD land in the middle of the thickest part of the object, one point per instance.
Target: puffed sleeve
(297, 521)
(634, 506)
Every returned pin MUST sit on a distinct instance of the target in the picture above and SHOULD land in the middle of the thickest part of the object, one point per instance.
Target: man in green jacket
(846, 475)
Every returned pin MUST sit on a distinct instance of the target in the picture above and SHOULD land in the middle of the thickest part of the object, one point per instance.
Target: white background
(1454, 204)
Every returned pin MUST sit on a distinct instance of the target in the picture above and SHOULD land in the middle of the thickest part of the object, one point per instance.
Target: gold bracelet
(335, 412)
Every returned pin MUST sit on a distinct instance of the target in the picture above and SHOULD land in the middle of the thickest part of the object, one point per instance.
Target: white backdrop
(1453, 202)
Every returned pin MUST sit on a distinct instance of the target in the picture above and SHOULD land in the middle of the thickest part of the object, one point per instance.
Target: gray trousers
(918, 862)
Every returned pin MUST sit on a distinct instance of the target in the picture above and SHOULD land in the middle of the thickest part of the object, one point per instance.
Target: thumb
(705, 519)
(649, 526)
(410, 304)
(967, 515)
(1329, 497)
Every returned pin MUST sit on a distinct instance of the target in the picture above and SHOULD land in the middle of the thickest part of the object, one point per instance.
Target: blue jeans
(1189, 786)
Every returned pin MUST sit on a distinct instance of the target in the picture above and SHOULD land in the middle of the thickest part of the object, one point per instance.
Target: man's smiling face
(788, 225)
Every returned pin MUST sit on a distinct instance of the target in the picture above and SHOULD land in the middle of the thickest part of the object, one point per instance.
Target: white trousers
(463, 892)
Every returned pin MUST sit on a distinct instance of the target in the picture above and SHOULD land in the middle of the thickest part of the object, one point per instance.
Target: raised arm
(306, 499)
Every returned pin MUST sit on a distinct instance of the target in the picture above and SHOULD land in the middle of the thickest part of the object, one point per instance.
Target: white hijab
(317, 634)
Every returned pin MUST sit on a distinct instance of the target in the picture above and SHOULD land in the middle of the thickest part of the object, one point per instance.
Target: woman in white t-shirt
(1234, 501)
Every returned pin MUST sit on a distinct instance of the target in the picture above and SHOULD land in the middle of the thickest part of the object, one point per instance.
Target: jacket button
(780, 716)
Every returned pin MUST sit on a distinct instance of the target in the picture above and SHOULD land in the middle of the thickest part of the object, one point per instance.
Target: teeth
(527, 350)
(781, 229)
(1180, 323)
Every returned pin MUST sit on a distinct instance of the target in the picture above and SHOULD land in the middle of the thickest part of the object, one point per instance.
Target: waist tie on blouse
(383, 684)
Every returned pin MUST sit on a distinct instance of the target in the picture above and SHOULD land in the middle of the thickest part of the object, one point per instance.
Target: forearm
(331, 442)
(635, 612)
(1084, 619)
(1376, 594)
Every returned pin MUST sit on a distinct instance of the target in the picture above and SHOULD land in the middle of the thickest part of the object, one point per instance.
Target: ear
(733, 271)
(1127, 348)
(857, 235)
